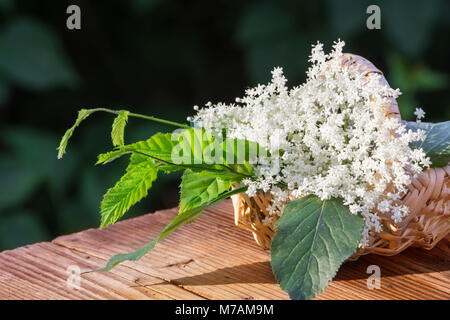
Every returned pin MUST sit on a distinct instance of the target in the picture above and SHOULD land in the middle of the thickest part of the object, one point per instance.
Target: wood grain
(208, 259)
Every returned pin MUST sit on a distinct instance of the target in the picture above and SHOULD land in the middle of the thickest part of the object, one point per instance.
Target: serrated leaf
(118, 128)
(192, 148)
(196, 147)
(149, 150)
(437, 141)
(201, 147)
(138, 159)
(180, 220)
(199, 187)
(131, 188)
(314, 238)
(110, 156)
(158, 146)
(82, 115)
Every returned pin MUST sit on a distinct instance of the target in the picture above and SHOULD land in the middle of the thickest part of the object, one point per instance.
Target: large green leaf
(131, 188)
(159, 146)
(178, 221)
(199, 187)
(184, 146)
(314, 238)
(192, 148)
(437, 142)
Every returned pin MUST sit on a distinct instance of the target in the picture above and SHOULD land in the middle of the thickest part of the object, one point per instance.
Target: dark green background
(161, 57)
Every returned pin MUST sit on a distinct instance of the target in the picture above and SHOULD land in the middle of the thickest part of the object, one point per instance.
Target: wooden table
(208, 259)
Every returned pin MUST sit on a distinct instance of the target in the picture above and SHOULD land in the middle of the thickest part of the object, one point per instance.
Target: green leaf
(193, 148)
(197, 147)
(164, 142)
(314, 238)
(158, 146)
(180, 220)
(200, 187)
(110, 156)
(118, 128)
(437, 141)
(131, 188)
(82, 115)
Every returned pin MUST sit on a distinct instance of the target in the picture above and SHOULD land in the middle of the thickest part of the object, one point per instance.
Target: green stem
(176, 124)
(137, 115)
(226, 167)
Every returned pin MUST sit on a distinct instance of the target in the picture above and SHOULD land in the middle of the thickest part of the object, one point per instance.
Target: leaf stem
(226, 167)
(176, 124)
(137, 115)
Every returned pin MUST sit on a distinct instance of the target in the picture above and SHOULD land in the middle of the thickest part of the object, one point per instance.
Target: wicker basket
(428, 200)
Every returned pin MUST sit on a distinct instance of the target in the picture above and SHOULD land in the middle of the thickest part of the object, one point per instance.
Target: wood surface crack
(179, 264)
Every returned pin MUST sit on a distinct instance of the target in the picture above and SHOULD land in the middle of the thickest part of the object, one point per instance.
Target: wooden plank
(216, 260)
(210, 258)
(40, 272)
(203, 267)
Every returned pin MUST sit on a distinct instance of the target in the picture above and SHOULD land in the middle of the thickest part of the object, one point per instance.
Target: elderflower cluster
(332, 137)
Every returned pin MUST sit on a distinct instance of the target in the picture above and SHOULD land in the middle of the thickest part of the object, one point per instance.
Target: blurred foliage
(161, 57)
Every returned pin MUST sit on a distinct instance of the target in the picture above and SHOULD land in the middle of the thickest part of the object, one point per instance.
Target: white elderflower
(419, 113)
(332, 135)
(267, 220)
